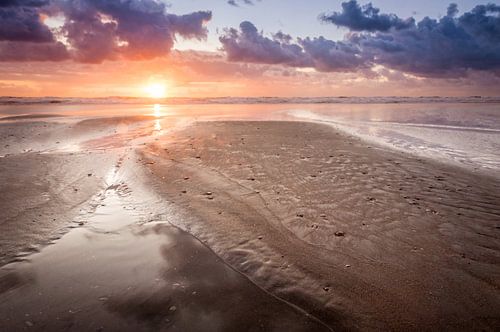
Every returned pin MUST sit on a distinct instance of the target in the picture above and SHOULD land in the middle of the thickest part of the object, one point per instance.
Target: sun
(156, 90)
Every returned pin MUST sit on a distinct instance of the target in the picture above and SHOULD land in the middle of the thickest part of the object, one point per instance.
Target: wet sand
(227, 226)
(363, 237)
(125, 271)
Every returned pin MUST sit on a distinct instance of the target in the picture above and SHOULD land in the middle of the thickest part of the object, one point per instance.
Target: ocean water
(460, 131)
(466, 135)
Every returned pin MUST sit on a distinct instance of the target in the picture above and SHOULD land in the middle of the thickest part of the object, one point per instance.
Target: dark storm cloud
(365, 18)
(448, 47)
(96, 30)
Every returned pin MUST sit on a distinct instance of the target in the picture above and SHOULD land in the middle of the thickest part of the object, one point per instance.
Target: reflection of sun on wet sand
(304, 228)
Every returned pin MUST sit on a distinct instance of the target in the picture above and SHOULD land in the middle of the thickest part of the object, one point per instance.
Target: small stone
(347, 265)
(339, 233)
(260, 237)
(300, 215)
(208, 193)
(186, 178)
(326, 289)
(89, 174)
(184, 191)
(172, 308)
(28, 323)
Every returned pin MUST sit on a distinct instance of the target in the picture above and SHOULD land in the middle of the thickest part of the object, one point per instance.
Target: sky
(249, 48)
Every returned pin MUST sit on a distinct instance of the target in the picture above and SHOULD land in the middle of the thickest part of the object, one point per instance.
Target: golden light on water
(157, 110)
(157, 113)
(156, 90)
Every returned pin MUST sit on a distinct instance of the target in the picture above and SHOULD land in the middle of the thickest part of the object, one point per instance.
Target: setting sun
(156, 90)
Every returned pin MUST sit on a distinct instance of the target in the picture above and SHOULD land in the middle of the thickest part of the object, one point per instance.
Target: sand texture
(367, 238)
(159, 224)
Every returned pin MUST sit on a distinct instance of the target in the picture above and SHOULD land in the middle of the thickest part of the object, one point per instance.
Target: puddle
(119, 273)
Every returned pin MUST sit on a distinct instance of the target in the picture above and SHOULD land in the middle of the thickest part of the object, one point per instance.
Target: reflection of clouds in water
(197, 291)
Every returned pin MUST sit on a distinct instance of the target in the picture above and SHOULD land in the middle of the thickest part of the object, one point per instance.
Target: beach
(240, 165)
(140, 223)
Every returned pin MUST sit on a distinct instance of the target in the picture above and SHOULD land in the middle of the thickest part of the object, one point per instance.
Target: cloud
(236, 3)
(452, 10)
(95, 30)
(249, 45)
(20, 21)
(447, 47)
(329, 56)
(365, 18)
(32, 51)
(23, 36)
(136, 29)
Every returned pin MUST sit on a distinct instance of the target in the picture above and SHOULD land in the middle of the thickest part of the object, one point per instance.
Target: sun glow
(156, 90)
(157, 110)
